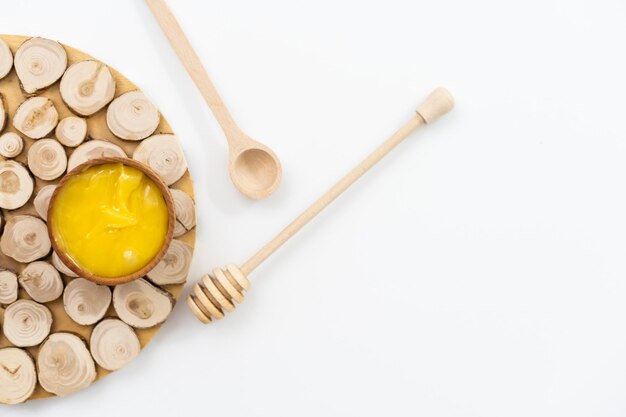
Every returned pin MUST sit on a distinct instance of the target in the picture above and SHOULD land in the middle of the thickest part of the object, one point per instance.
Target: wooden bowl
(171, 219)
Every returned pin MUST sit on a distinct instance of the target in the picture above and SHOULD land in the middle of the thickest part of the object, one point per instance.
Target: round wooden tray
(97, 129)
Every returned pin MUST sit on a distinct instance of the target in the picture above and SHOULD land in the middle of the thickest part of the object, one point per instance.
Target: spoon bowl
(255, 171)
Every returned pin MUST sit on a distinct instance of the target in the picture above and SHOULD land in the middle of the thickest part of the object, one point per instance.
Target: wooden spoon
(254, 168)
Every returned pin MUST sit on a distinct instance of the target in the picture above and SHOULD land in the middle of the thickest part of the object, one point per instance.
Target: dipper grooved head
(218, 293)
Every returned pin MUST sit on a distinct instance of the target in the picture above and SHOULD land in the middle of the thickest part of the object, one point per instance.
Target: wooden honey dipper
(218, 293)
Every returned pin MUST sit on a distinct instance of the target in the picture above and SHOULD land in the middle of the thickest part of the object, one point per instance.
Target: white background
(477, 271)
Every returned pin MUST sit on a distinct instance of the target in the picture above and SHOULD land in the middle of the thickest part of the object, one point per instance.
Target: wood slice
(97, 129)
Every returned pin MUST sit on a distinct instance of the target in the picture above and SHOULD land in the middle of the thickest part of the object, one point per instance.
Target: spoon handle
(194, 67)
(438, 103)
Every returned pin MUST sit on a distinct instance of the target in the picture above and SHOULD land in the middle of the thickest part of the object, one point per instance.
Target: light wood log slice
(25, 239)
(71, 131)
(86, 302)
(26, 323)
(11, 145)
(97, 129)
(65, 365)
(36, 117)
(61, 267)
(18, 377)
(87, 86)
(39, 63)
(164, 155)
(8, 287)
(185, 212)
(16, 185)
(3, 114)
(92, 150)
(6, 59)
(47, 159)
(42, 199)
(174, 266)
(132, 116)
(114, 344)
(141, 304)
(41, 281)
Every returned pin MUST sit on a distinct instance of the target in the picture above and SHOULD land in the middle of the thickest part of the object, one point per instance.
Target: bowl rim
(171, 218)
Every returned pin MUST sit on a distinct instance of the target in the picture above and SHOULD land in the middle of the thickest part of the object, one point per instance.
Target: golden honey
(110, 220)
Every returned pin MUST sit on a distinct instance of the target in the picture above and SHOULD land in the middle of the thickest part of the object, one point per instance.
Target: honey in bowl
(110, 220)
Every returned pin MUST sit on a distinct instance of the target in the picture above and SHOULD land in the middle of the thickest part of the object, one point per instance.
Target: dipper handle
(218, 293)
(438, 103)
